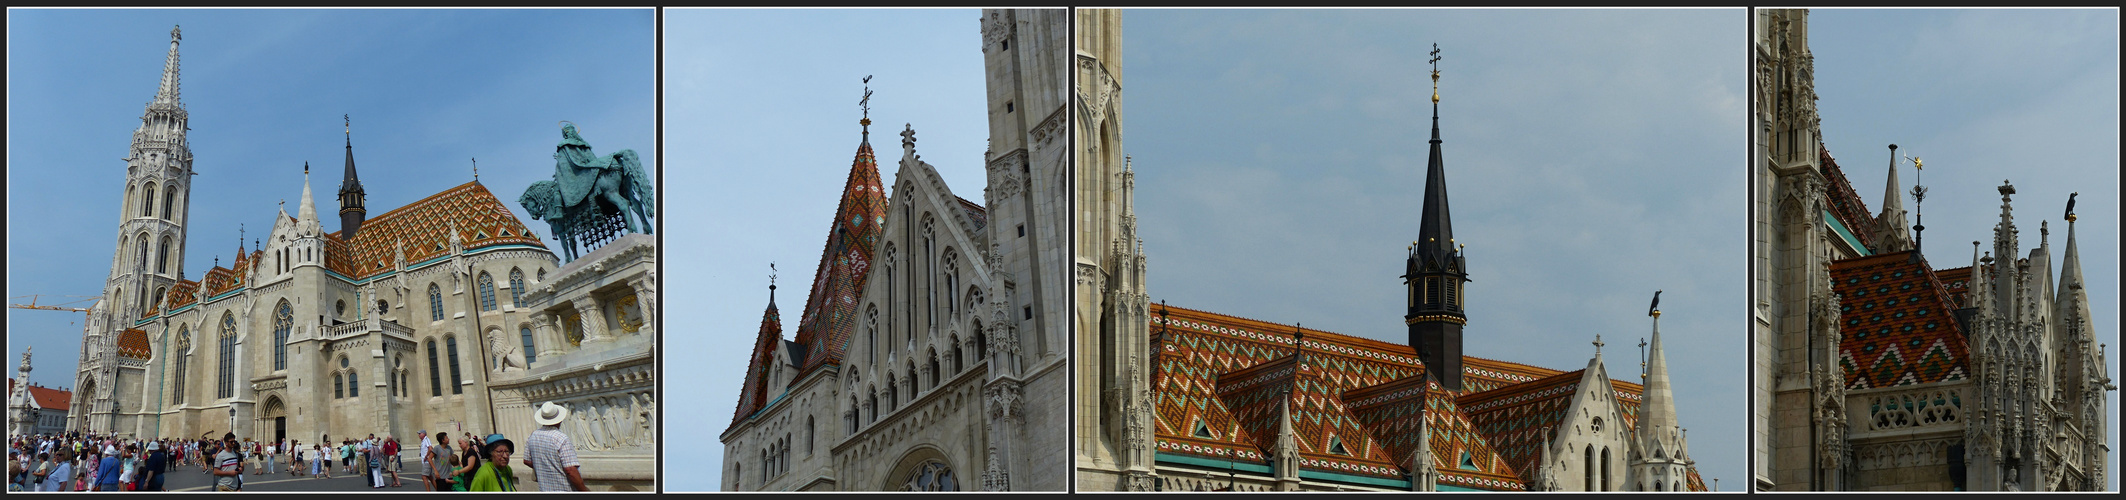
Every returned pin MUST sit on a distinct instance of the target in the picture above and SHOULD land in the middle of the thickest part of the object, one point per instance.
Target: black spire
(1435, 270)
(351, 195)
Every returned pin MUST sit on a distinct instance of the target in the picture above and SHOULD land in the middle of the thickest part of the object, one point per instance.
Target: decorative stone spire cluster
(1892, 234)
(167, 93)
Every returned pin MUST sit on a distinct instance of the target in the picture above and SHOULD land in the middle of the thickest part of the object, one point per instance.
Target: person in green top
(494, 473)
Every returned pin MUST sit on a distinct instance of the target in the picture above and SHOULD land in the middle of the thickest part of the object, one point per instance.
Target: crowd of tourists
(471, 462)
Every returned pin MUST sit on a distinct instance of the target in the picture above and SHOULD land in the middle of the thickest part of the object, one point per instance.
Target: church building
(1178, 399)
(399, 322)
(1877, 371)
(930, 353)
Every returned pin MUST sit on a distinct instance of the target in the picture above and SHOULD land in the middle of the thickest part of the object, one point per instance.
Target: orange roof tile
(423, 227)
(133, 343)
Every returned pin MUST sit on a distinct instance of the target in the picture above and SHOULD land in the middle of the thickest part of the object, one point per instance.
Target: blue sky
(761, 125)
(2028, 96)
(1592, 157)
(428, 90)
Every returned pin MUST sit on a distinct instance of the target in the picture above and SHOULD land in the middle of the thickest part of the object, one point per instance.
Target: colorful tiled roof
(829, 318)
(1957, 282)
(755, 394)
(975, 212)
(1216, 370)
(46, 397)
(1519, 418)
(1845, 203)
(133, 343)
(181, 293)
(423, 227)
(1898, 323)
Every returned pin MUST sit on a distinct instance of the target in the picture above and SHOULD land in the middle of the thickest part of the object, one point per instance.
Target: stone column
(593, 320)
(646, 296)
(546, 330)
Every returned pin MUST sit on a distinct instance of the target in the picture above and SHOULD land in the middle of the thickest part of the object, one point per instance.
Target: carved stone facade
(602, 369)
(947, 370)
(1114, 446)
(1980, 378)
(419, 320)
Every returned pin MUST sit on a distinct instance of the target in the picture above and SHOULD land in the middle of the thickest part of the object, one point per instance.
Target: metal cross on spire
(865, 103)
(1919, 201)
(1435, 72)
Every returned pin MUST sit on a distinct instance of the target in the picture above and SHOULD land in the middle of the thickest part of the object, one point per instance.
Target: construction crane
(62, 307)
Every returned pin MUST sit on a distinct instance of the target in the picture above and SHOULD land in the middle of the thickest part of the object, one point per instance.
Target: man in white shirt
(428, 479)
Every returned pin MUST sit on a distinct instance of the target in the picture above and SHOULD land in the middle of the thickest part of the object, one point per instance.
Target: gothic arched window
(451, 342)
(169, 203)
(354, 384)
(531, 353)
(487, 291)
(932, 476)
(227, 386)
(338, 390)
(1605, 468)
(162, 256)
(435, 376)
(147, 201)
(435, 302)
(1587, 467)
(952, 282)
(516, 290)
(184, 355)
(283, 320)
(871, 332)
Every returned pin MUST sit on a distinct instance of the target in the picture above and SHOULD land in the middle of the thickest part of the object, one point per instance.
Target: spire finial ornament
(347, 127)
(476, 169)
(865, 104)
(1435, 79)
(1919, 202)
(1655, 309)
(1598, 344)
(2070, 206)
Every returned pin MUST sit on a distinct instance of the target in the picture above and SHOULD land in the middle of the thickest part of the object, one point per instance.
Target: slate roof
(1898, 326)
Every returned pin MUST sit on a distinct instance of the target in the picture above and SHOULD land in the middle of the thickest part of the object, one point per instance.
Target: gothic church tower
(1114, 448)
(151, 238)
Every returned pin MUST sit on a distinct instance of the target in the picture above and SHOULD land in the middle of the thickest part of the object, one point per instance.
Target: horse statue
(587, 189)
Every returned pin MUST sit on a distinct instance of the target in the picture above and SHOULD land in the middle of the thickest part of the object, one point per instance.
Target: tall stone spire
(306, 210)
(167, 94)
(352, 212)
(1658, 427)
(1435, 271)
(1892, 234)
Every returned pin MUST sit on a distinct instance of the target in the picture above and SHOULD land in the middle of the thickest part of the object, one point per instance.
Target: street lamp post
(232, 418)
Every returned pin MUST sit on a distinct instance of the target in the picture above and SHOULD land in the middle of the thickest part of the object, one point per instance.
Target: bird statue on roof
(1655, 309)
(2070, 205)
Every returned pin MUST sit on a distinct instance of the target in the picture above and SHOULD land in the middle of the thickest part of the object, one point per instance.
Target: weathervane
(771, 276)
(1435, 73)
(1919, 201)
(865, 104)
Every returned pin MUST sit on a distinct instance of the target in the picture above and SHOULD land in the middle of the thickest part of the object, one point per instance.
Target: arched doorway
(275, 417)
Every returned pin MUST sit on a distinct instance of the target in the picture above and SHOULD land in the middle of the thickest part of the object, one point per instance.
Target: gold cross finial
(1435, 73)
